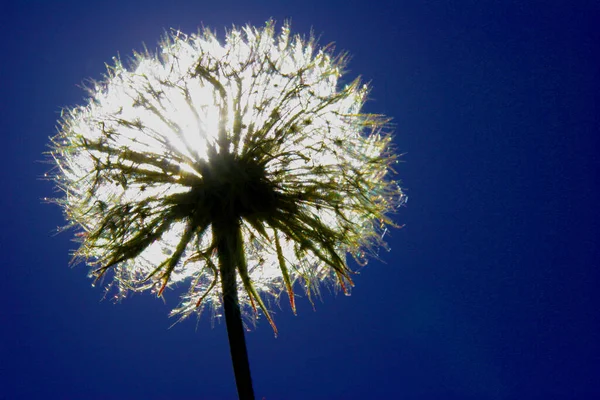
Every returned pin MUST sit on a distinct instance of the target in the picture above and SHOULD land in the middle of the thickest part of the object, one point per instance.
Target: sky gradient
(488, 292)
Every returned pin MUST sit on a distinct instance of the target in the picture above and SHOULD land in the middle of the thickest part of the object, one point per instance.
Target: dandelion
(244, 170)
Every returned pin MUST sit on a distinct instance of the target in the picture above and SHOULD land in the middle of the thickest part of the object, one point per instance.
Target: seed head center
(233, 187)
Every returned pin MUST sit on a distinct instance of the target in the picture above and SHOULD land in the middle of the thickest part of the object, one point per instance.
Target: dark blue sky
(489, 291)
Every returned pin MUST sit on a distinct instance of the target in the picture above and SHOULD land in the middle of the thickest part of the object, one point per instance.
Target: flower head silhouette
(243, 169)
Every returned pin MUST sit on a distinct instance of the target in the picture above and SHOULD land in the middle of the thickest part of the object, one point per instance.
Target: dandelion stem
(228, 237)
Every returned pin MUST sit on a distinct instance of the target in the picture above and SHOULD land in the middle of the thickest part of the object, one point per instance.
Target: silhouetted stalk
(228, 237)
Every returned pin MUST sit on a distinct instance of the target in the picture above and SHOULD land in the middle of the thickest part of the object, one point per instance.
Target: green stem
(228, 237)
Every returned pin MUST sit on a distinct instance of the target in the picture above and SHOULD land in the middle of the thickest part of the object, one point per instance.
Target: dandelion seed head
(256, 129)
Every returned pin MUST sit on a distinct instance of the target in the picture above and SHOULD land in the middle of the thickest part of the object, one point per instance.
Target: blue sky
(489, 290)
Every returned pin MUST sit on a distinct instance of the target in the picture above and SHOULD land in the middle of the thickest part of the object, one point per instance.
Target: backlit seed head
(256, 131)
